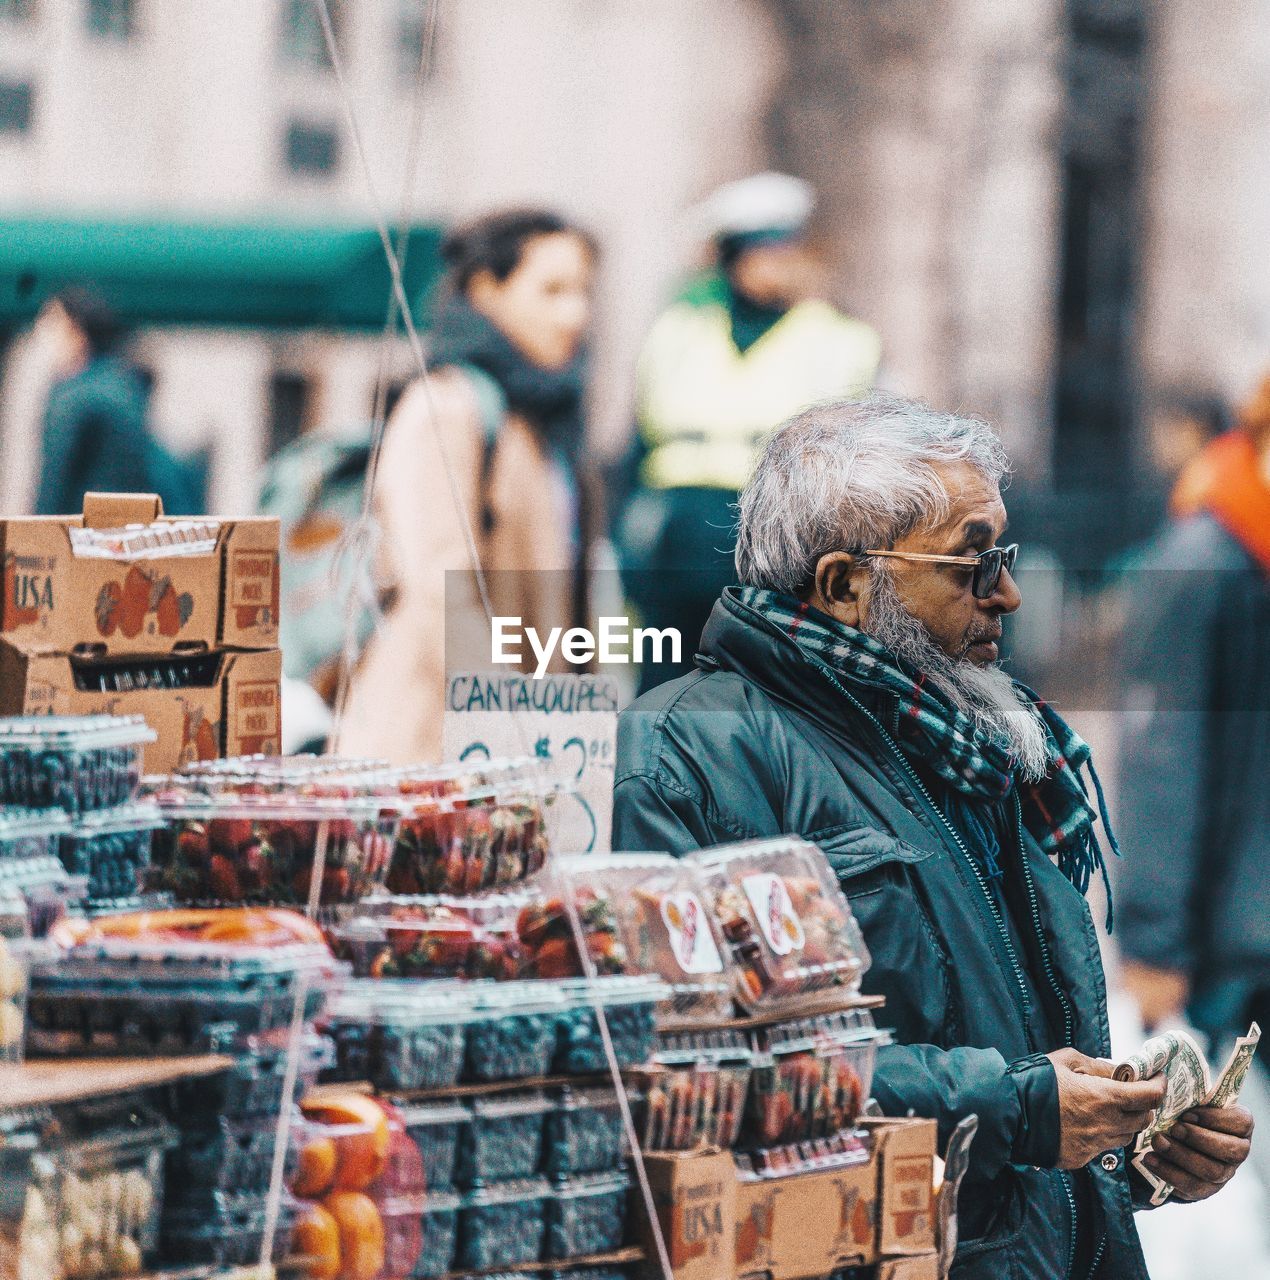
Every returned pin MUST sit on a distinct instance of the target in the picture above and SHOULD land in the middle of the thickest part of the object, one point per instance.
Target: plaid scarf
(1056, 810)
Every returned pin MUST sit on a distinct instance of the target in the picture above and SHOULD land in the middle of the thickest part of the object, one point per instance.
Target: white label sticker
(690, 937)
(775, 913)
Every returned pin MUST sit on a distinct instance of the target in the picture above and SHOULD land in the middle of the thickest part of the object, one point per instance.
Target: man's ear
(834, 588)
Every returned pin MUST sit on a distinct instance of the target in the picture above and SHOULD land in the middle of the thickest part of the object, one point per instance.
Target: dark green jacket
(762, 742)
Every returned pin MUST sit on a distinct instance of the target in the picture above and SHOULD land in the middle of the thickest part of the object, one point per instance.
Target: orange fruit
(360, 1134)
(361, 1234)
(316, 1168)
(315, 1240)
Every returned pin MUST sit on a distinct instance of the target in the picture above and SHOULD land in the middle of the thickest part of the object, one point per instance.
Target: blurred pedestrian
(498, 425)
(1194, 904)
(95, 432)
(745, 345)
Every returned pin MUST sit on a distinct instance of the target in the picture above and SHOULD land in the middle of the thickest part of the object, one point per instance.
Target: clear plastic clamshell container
(587, 1216)
(440, 1221)
(504, 1224)
(104, 1191)
(232, 1235)
(512, 1032)
(630, 1011)
(253, 1086)
(44, 888)
(399, 1036)
(236, 837)
(695, 1092)
(435, 1128)
(811, 1077)
(470, 826)
(503, 1137)
(30, 833)
(642, 913)
(229, 1155)
(73, 763)
(778, 907)
(111, 849)
(434, 937)
(585, 1132)
(173, 982)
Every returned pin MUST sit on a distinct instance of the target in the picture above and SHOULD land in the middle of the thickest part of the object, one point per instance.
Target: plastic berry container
(435, 1128)
(778, 907)
(644, 913)
(503, 1138)
(231, 1156)
(232, 1235)
(30, 833)
(584, 1132)
(504, 1224)
(104, 1189)
(587, 1216)
(440, 1222)
(629, 1005)
(253, 1086)
(811, 1077)
(469, 842)
(401, 1041)
(694, 1093)
(512, 1034)
(433, 937)
(13, 996)
(231, 839)
(45, 889)
(72, 763)
(111, 849)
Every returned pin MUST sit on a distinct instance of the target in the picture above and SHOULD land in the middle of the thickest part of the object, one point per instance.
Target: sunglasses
(987, 565)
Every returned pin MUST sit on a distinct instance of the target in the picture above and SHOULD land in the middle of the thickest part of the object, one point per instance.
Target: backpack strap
(491, 408)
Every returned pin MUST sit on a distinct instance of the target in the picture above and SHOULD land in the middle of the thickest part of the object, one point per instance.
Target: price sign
(570, 720)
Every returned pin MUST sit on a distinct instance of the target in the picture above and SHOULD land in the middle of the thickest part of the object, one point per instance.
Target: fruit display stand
(51, 1081)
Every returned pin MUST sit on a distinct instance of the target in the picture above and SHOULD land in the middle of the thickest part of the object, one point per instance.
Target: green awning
(255, 274)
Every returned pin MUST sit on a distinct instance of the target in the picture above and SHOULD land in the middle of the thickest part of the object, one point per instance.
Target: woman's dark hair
(93, 316)
(496, 243)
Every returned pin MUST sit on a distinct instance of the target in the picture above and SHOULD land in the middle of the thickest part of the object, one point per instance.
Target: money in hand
(1188, 1084)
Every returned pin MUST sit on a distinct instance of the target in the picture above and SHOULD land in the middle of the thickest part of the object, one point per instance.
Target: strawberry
(222, 879)
(192, 844)
(556, 958)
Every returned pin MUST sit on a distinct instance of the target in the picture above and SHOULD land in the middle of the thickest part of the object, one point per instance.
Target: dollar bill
(1225, 1093)
(1187, 1083)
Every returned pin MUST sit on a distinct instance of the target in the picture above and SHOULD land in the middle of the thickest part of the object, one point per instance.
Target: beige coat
(436, 623)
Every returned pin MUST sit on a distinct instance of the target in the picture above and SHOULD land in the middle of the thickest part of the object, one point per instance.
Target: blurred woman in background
(497, 427)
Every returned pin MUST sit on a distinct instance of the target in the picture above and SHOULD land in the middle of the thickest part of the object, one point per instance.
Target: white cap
(764, 202)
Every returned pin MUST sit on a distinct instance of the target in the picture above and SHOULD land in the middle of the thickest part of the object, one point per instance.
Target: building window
(303, 41)
(312, 148)
(289, 397)
(15, 106)
(17, 10)
(112, 19)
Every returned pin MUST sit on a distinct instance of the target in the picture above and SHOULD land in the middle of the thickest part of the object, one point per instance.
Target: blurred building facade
(1047, 207)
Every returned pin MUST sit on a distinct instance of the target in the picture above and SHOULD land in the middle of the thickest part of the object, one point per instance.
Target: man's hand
(1202, 1151)
(1098, 1113)
(1161, 994)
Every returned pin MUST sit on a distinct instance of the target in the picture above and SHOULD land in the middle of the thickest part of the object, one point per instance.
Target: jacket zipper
(1071, 1209)
(957, 840)
(1097, 1262)
(1035, 910)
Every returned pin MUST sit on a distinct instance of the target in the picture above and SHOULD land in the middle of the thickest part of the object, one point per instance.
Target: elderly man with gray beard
(848, 691)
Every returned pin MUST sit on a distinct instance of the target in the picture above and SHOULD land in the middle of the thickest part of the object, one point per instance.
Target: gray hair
(850, 474)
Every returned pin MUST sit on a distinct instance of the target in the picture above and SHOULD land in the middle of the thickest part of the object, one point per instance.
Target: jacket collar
(739, 639)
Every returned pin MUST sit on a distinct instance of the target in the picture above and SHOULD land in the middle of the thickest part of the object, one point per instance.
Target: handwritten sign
(570, 720)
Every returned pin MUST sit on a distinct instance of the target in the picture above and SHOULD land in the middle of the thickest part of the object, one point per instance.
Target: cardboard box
(695, 1195)
(905, 1151)
(235, 709)
(807, 1224)
(924, 1266)
(56, 600)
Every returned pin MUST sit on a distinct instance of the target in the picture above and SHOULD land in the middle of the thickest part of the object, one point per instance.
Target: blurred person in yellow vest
(744, 346)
